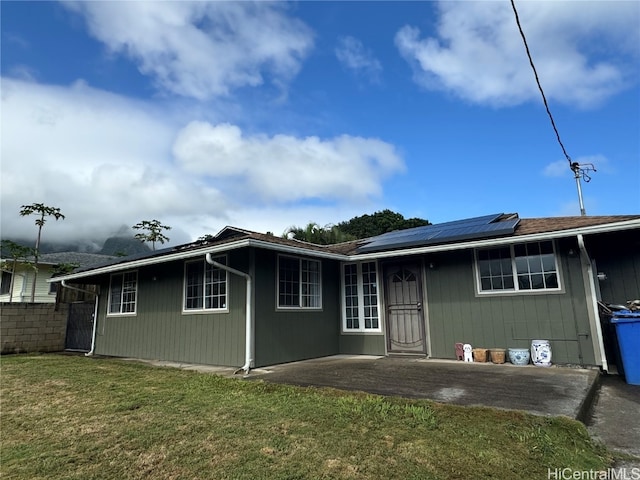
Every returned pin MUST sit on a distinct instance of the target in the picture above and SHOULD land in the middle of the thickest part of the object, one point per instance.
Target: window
(122, 293)
(5, 285)
(53, 288)
(299, 283)
(205, 286)
(518, 268)
(360, 297)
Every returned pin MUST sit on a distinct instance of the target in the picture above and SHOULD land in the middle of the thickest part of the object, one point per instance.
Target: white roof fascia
(298, 250)
(250, 242)
(28, 262)
(246, 242)
(153, 260)
(609, 227)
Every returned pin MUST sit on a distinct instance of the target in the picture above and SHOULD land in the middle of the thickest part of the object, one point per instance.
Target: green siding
(159, 330)
(456, 314)
(618, 256)
(354, 344)
(287, 336)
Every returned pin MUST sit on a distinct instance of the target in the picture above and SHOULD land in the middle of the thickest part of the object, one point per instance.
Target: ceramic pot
(497, 355)
(541, 353)
(519, 356)
(479, 354)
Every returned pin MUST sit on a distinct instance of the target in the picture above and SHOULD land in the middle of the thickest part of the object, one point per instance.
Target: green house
(247, 299)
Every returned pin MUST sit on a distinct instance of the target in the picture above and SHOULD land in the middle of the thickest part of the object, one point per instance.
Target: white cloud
(104, 160)
(354, 56)
(559, 168)
(580, 49)
(108, 161)
(283, 168)
(202, 49)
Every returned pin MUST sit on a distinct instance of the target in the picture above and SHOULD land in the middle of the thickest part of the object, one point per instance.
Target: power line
(544, 98)
(577, 169)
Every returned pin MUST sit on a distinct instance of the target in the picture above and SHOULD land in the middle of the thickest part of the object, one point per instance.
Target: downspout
(248, 349)
(592, 306)
(95, 316)
(23, 287)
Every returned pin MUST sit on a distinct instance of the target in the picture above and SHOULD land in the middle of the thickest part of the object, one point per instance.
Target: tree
(314, 233)
(41, 211)
(205, 238)
(153, 232)
(378, 223)
(17, 253)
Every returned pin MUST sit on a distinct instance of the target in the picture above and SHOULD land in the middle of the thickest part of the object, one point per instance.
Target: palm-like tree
(152, 232)
(41, 211)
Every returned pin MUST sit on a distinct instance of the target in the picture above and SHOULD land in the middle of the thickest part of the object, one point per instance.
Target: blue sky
(267, 115)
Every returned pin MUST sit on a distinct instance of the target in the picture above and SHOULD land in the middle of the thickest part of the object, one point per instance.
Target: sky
(268, 115)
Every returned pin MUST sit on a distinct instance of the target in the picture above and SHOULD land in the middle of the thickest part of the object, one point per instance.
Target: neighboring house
(47, 264)
(250, 299)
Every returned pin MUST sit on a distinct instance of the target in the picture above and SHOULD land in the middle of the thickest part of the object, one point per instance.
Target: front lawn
(75, 417)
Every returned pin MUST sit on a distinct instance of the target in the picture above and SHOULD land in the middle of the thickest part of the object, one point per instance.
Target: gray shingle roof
(83, 260)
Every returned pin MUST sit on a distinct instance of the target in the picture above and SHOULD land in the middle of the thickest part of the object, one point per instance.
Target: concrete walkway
(542, 391)
(615, 418)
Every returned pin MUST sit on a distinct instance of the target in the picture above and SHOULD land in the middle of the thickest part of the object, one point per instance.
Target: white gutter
(95, 315)
(592, 303)
(247, 242)
(248, 349)
(304, 251)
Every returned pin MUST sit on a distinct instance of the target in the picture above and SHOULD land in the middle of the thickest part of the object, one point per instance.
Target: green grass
(75, 417)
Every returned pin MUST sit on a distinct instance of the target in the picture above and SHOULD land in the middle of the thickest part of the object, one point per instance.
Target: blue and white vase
(541, 353)
(519, 356)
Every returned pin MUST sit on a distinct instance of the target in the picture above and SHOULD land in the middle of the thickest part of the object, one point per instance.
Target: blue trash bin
(627, 324)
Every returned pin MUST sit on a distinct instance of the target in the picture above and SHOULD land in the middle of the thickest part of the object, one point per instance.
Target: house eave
(247, 242)
(304, 251)
(489, 242)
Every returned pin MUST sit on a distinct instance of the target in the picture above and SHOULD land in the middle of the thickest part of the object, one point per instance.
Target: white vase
(541, 353)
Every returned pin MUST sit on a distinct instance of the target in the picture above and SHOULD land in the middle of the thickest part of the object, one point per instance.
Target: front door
(405, 323)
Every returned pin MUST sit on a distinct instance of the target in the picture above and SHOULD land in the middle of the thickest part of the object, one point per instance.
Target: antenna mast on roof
(582, 170)
(579, 170)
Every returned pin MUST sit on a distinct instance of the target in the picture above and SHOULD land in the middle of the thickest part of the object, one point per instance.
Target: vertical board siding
(457, 314)
(362, 344)
(287, 336)
(617, 255)
(159, 330)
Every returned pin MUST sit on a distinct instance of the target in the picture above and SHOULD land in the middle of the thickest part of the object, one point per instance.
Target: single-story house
(16, 284)
(250, 299)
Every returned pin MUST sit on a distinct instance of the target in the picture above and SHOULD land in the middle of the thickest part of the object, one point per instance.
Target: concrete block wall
(33, 327)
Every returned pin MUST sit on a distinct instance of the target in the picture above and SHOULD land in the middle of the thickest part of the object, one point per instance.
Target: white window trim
(516, 290)
(203, 310)
(8, 275)
(135, 305)
(361, 318)
(298, 307)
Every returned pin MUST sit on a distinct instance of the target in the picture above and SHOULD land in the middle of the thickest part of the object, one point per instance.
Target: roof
(83, 260)
(494, 225)
(509, 227)
(530, 226)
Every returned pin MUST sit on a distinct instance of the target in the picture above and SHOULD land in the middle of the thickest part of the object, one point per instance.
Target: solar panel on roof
(468, 229)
